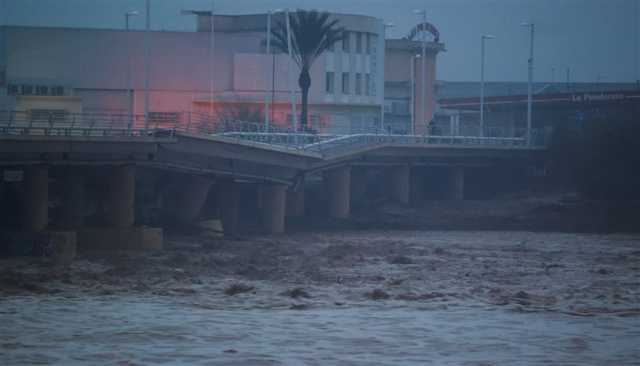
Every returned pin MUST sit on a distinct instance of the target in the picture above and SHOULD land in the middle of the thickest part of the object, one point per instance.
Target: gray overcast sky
(595, 38)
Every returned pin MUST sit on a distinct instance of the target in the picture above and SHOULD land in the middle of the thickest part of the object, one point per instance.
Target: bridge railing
(56, 123)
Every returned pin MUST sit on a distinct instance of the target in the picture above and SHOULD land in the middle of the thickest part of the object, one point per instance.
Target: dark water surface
(136, 329)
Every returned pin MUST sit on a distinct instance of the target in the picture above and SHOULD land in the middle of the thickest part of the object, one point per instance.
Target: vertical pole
(423, 94)
(482, 86)
(291, 91)
(266, 90)
(129, 106)
(212, 45)
(147, 60)
(530, 87)
(412, 67)
(384, 40)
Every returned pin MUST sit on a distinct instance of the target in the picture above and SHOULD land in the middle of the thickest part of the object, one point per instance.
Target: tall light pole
(532, 28)
(210, 51)
(412, 68)
(482, 39)
(147, 61)
(127, 15)
(423, 94)
(384, 40)
(267, 113)
(294, 117)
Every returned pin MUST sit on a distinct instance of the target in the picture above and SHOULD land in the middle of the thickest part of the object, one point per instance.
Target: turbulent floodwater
(126, 330)
(348, 298)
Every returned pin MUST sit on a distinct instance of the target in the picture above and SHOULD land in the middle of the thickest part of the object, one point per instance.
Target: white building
(71, 70)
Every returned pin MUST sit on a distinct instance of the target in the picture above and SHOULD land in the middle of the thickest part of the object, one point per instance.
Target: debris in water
(238, 288)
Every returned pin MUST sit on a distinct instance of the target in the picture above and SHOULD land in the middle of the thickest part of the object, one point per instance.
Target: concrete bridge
(180, 165)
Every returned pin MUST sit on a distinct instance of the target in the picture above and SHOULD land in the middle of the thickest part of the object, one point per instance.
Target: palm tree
(312, 33)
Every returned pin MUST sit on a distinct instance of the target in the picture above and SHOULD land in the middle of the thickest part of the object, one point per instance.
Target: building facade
(67, 70)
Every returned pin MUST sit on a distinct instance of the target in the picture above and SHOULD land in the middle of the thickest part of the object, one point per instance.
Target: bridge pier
(37, 197)
(457, 184)
(273, 206)
(122, 196)
(190, 198)
(400, 179)
(295, 203)
(74, 198)
(228, 194)
(338, 189)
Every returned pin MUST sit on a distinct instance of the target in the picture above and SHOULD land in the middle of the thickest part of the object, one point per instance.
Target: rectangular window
(358, 42)
(368, 44)
(42, 90)
(345, 83)
(367, 84)
(358, 84)
(329, 82)
(27, 89)
(345, 42)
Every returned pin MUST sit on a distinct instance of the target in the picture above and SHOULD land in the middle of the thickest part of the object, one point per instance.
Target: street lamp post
(384, 37)
(127, 15)
(266, 89)
(412, 68)
(530, 86)
(267, 102)
(210, 51)
(423, 92)
(294, 117)
(147, 61)
(482, 39)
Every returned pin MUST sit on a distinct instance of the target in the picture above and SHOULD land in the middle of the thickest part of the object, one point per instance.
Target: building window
(57, 90)
(42, 90)
(368, 44)
(27, 89)
(345, 42)
(345, 83)
(12, 89)
(358, 42)
(367, 84)
(329, 82)
(358, 84)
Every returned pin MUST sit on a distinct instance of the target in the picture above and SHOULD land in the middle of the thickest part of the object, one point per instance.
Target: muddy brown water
(343, 298)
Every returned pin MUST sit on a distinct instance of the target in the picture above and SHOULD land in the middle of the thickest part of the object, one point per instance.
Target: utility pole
(482, 39)
(530, 86)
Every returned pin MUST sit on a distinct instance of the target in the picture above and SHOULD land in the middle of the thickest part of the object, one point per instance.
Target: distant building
(405, 101)
(66, 70)
(553, 104)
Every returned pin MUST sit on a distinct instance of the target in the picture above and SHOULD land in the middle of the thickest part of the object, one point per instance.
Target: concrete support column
(295, 203)
(273, 208)
(338, 189)
(401, 184)
(417, 187)
(457, 186)
(359, 175)
(122, 196)
(74, 196)
(191, 197)
(37, 197)
(228, 193)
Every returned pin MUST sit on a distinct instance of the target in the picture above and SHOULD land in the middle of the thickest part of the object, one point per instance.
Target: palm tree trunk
(304, 81)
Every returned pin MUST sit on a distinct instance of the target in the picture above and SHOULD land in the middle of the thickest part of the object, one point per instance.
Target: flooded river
(349, 298)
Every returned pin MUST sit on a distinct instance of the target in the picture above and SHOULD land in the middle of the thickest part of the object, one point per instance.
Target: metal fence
(168, 124)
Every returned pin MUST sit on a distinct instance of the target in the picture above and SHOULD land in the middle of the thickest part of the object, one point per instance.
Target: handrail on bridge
(59, 123)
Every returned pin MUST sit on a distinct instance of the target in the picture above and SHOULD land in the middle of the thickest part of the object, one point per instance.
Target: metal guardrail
(40, 123)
